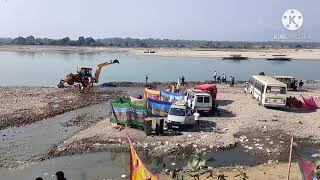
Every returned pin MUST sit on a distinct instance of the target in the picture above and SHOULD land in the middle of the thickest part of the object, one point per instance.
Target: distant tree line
(150, 42)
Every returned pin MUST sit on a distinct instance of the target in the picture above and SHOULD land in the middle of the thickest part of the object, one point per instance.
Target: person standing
(215, 75)
(301, 83)
(147, 78)
(233, 80)
(60, 175)
(196, 117)
(182, 80)
(224, 78)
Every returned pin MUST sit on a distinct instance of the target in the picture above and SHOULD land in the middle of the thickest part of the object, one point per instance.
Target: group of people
(59, 176)
(296, 85)
(223, 78)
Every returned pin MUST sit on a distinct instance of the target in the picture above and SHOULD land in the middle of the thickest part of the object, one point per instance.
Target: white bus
(267, 90)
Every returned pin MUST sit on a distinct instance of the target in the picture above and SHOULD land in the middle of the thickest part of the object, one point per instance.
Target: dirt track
(25, 105)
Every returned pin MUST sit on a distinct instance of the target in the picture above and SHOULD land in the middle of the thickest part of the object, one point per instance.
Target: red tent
(309, 103)
(210, 88)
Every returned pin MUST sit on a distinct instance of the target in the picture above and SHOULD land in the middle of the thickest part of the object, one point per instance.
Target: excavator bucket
(116, 61)
(61, 85)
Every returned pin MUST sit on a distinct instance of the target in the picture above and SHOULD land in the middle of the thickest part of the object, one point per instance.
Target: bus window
(206, 99)
(275, 89)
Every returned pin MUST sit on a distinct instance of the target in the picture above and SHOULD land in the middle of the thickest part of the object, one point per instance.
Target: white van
(198, 100)
(178, 116)
(267, 90)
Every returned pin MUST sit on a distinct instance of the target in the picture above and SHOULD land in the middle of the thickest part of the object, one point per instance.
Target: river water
(47, 68)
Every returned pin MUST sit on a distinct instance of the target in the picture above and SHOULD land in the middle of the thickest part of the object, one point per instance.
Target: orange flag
(138, 171)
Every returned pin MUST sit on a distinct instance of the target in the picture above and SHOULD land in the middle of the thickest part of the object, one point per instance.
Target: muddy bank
(104, 136)
(25, 105)
(260, 172)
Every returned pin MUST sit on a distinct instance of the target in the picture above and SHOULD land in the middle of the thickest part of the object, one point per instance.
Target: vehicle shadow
(222, 113)
(295, 110)
(205, 126)
(223, 102)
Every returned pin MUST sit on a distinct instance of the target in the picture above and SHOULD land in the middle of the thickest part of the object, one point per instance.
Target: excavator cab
(85, 71)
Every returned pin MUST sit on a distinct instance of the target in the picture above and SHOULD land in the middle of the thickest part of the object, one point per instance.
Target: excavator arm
(100, 66)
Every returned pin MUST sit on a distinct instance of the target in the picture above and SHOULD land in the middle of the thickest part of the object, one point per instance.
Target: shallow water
(47, 68)
(32, 141)
(111, 165)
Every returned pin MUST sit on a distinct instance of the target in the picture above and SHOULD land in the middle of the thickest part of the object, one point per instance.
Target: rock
(204, 136)
(123, 176)
(271, 142)
(189, 135)
(268, 150)
(195, 146)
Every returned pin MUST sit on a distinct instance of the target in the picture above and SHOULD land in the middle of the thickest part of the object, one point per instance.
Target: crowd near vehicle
(198, 100)
(179, 115)
(290, 81)
(84, 77)
(267, 90)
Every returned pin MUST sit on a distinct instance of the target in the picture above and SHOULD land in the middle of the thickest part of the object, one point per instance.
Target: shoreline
(259, 53)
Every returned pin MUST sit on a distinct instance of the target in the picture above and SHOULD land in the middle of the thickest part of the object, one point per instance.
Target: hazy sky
(253, 20)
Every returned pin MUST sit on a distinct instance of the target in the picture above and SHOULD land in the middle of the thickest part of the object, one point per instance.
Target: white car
(178, 116)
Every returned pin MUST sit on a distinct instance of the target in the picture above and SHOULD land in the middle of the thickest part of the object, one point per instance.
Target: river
(47, 68)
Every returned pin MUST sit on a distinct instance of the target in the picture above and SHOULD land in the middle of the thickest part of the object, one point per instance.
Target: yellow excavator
(84, 76)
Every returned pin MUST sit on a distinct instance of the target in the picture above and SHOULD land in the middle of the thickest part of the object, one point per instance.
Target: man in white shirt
(196, 117)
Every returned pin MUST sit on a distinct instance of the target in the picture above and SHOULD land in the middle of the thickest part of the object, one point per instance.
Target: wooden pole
(290, 155)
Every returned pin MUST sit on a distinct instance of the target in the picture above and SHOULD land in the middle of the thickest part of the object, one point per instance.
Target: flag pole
(290, 155)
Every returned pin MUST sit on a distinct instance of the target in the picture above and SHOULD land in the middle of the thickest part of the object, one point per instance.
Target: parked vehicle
(267, 90)
(198, 100)
(290, 81)
(179, 115)
(209, 88)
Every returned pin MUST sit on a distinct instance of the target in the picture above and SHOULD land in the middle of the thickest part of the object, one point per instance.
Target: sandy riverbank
(25, 105)
(299, 54)
(256, 129)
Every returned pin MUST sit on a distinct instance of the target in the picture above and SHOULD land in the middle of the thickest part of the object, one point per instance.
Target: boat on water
(235, 57)
(279, 59)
